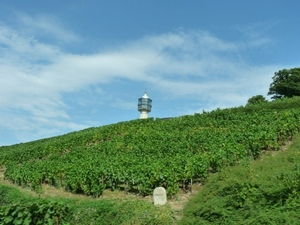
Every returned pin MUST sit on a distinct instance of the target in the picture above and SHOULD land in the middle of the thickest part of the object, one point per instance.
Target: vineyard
(139, 155)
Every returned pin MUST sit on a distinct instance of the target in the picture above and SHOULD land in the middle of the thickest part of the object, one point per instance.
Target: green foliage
(286, 83)
(277, 104)
(119, 212)
(9, 195)
(40, 212)
(257, 99)
(139, 155)
(262, 192)
(17, 208)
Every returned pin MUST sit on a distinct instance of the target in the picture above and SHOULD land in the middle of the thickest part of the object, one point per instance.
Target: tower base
(144, 115)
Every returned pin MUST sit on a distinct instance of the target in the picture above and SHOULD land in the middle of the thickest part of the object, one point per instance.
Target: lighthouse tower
(144, 106)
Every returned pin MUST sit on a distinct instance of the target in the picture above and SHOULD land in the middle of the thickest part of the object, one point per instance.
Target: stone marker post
(159, 196)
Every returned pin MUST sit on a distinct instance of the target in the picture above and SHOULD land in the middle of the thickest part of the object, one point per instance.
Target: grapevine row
(140, 155)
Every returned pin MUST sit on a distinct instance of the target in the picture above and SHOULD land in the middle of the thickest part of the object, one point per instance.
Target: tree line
(286, 84)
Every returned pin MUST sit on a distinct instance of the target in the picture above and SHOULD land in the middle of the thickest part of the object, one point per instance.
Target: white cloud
(255, 34)
(19, 48)
(47, 25)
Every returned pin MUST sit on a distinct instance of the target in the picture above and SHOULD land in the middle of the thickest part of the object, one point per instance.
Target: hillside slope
(137, 156)
(265, 191)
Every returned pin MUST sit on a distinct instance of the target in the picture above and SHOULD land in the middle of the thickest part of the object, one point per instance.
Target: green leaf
(50, 221)
(18, 221)
(27, 221)
(20, 214)
(8, 219)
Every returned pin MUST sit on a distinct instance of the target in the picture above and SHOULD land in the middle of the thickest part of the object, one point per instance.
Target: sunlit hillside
(137, 156)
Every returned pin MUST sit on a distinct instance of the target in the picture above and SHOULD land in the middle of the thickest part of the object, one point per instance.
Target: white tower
(144, 106)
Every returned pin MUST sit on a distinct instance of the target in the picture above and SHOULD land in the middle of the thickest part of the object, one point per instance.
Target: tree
(286, 83)
(256, 100)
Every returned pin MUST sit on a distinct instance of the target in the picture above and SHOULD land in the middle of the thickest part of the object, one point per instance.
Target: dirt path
(177, 202)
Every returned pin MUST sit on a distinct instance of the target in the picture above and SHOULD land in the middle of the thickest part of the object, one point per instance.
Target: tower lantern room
(144, 106)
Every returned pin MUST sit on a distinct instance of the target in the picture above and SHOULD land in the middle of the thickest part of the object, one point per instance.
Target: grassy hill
(136, 156)
(265, 191)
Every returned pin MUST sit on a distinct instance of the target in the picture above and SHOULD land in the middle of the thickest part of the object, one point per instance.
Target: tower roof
(145, 95)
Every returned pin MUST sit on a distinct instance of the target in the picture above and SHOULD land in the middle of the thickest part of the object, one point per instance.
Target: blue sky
(68, 65)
